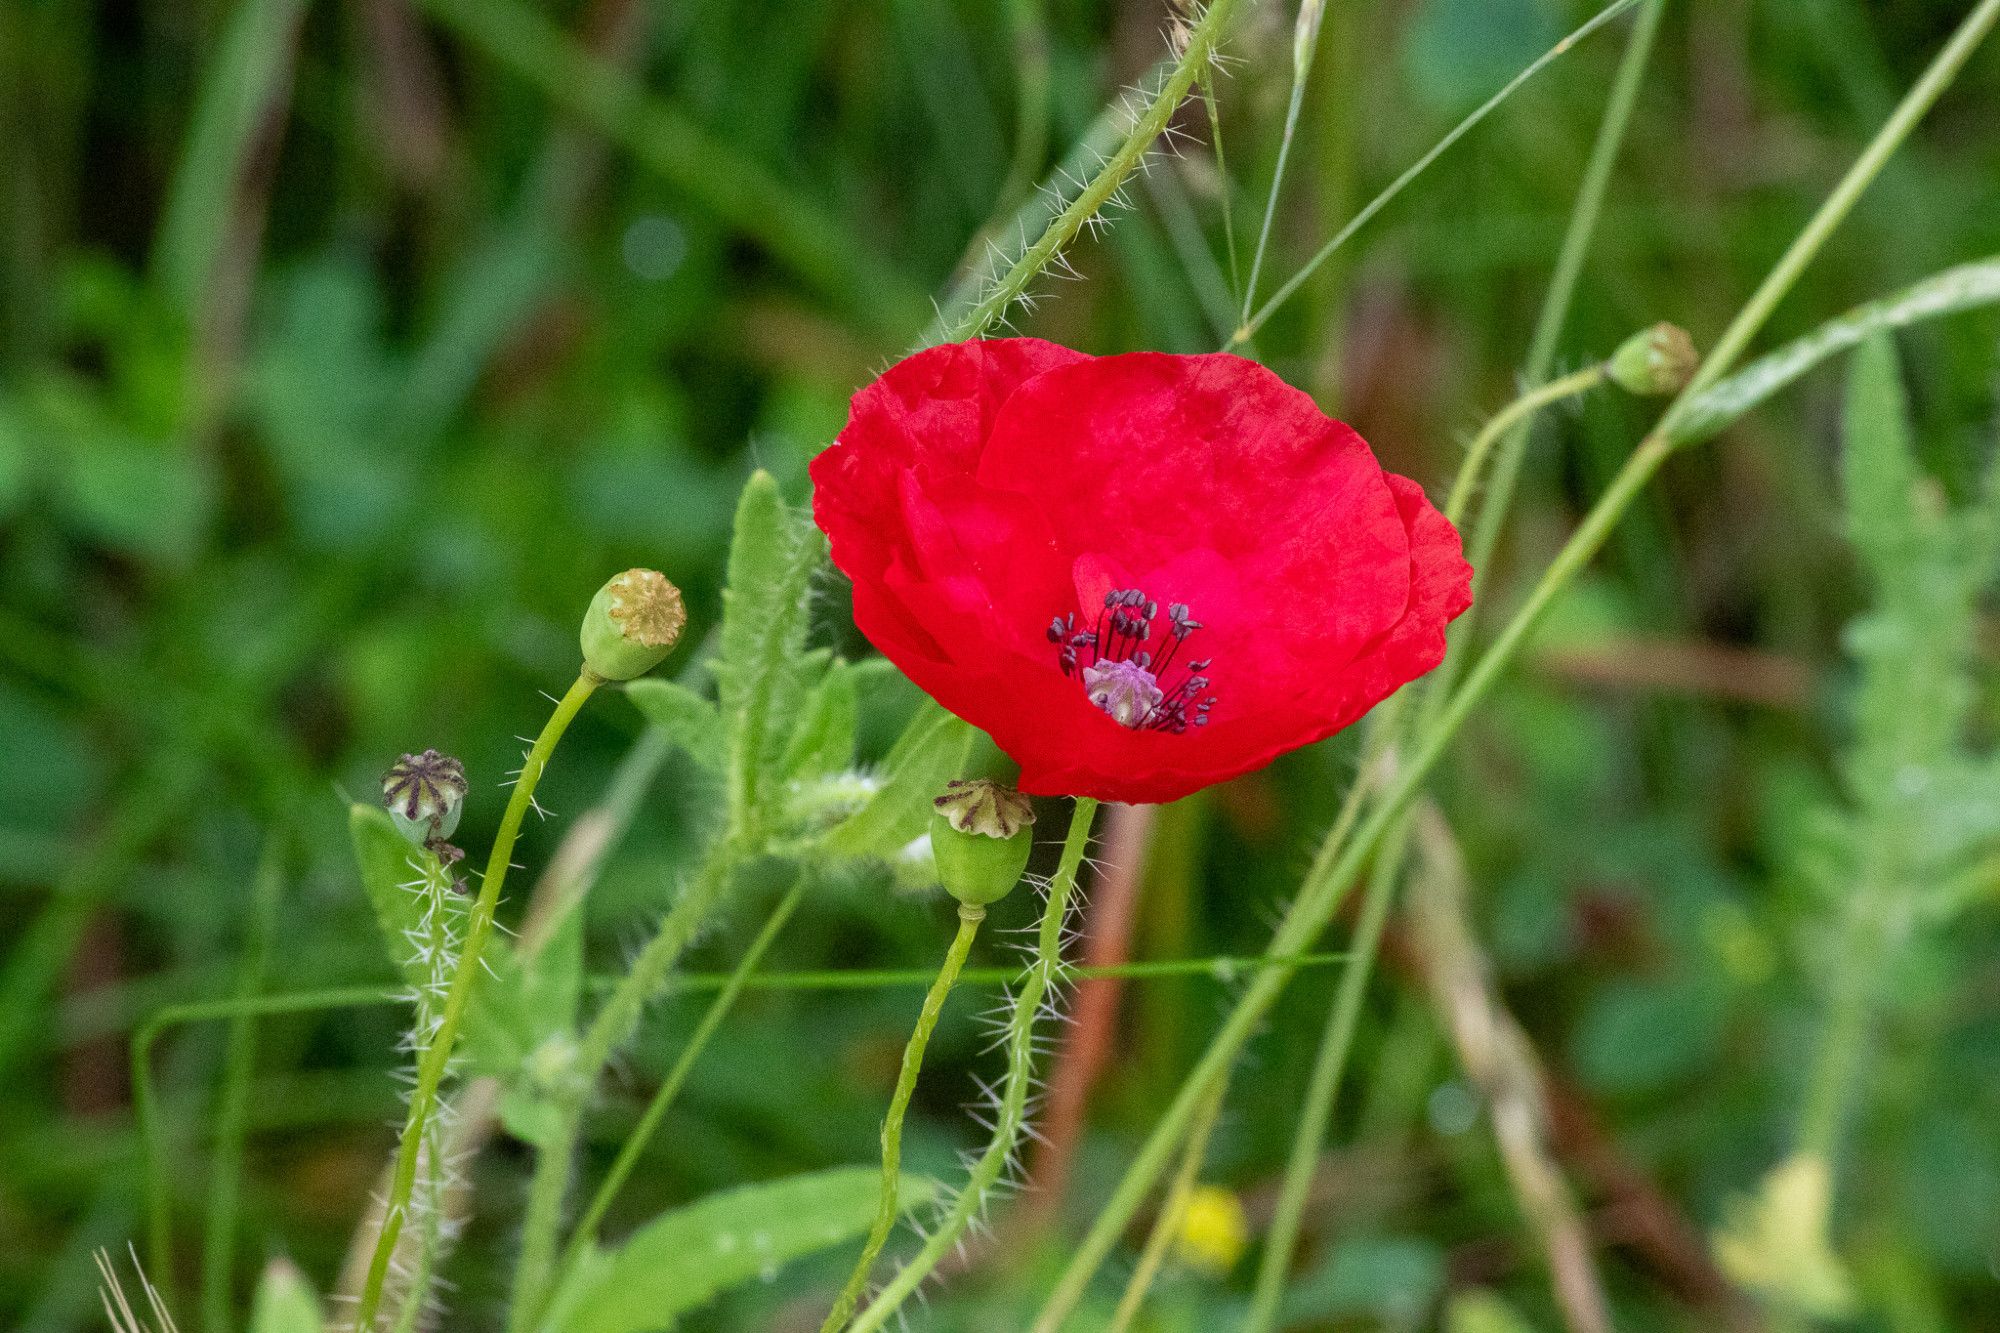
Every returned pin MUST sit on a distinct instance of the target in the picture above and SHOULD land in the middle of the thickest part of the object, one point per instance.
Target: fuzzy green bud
(1654, 362)
(425, 794)
(633, 623)
(981, 833)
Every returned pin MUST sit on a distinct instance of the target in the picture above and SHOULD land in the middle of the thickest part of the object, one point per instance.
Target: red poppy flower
(1139, 574)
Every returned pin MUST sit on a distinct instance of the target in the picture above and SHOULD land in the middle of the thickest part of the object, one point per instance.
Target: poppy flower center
(1127, 666)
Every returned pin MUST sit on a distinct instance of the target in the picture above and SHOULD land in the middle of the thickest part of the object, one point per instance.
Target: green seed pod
(981, 833)
(425, 793)
(1654, 362)
(633, 623)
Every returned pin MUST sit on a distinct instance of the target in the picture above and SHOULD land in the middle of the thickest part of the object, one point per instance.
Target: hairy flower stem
(614, 1023)
(1321, 895)
(479, 926)
(649, 1123)
(985, 1174)
(1501, 425)
(1124, 160)
(969, 917)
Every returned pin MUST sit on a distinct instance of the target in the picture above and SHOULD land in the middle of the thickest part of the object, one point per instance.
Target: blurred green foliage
(344, 350)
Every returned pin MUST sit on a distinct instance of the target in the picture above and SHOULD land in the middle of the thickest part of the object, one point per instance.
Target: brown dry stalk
(1712, 670)
(1498, 1058)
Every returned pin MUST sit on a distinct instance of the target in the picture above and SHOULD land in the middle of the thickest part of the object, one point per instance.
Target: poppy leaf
(389, 864)
(823, 741)
(683, 1259)
(760, 671)
(932, 750)
(689, 720)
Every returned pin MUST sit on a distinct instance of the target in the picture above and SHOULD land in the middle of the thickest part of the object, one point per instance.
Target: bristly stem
(1035, 983)
(969, 917)
(1503, 422)
(1319, 897)
(1124, 160)
(479, 926)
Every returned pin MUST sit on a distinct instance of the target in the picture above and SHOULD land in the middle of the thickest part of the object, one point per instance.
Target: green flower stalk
(631, 625)
(1027, 1006)
(981, 834)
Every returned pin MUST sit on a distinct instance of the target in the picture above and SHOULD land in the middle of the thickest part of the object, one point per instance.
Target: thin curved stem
(1323, 1088)
(1417, 168)
(1172, 1212)
(1504, 421)
(1556, 301)
(479, 927)
(1305, 45)
(1321, 896)
(886, 1212)
(615, 1021)
(656, 1109)
(985, 1174)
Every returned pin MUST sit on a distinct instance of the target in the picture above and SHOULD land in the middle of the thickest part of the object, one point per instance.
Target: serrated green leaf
(388, 863)
(932, 750)
(689, 720)
(684, 1259)
(823, 741)
(759, 669)
(285, 1302)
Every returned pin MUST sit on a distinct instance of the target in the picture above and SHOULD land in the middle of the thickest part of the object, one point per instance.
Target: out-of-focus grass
(312, 319)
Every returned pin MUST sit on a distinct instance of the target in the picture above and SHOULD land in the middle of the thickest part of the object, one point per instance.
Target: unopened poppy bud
(425, 793)
(981, 833)
(1653, 362)
(633, 623)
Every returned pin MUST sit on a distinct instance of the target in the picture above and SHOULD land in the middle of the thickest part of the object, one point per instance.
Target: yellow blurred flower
(1213, 1230)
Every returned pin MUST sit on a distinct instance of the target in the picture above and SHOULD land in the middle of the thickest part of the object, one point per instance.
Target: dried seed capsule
(632, 624)
(981, 833)
(424, 794)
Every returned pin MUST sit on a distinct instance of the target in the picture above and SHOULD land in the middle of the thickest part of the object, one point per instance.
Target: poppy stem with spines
(1320, 896)
(985, 1174)
(969, 917)
(1501, 423)
(479, 927)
